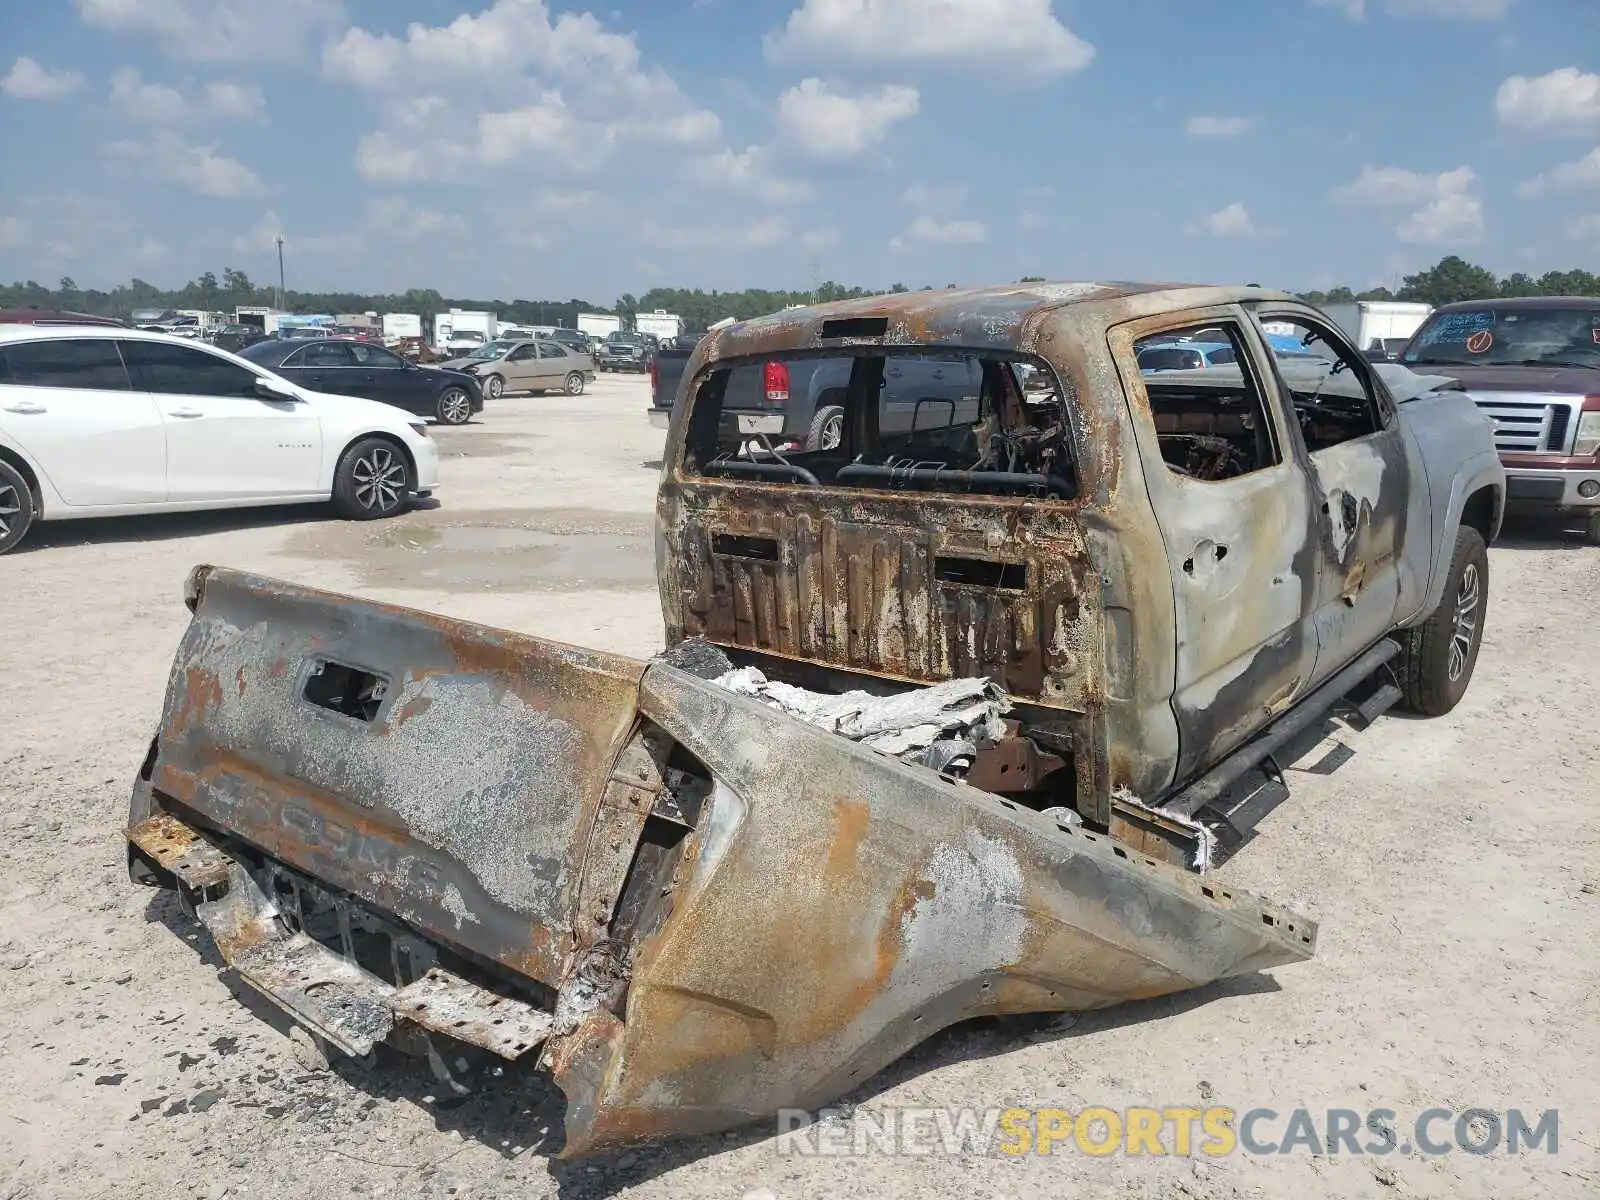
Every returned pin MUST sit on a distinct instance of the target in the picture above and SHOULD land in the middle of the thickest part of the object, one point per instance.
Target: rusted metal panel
(463, 805)
(841, 906)
(447, 1004)
(175, 847)
(856, 583)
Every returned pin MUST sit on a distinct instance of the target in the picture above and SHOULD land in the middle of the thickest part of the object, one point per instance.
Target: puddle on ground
(553, 550)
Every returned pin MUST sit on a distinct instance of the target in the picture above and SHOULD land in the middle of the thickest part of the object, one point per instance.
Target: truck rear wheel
(827, 428)
(1441, 653)
(1591, 528)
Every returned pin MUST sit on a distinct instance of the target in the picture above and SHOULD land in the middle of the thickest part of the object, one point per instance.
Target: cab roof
(993, 318)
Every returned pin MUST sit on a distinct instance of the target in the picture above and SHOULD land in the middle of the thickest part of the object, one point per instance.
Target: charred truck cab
(1154, 565)
(693, 907)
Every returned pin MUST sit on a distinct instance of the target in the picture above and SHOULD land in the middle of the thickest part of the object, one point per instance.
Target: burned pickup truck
(956, 712)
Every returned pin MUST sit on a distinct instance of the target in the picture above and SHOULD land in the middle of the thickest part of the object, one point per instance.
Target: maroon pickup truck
(1533, 366)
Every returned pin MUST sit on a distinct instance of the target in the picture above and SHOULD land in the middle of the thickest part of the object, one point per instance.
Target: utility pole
(281, 288)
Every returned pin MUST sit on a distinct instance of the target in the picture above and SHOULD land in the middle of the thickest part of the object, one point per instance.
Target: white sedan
(97, 421)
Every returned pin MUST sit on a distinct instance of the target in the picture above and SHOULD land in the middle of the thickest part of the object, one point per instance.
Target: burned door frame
(1362, 490)
(1242, 555)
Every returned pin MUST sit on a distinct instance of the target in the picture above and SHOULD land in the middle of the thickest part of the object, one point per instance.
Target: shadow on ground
(519, 1112)
(165, 526)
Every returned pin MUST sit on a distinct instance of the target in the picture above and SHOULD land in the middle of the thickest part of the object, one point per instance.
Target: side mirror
(269, 388)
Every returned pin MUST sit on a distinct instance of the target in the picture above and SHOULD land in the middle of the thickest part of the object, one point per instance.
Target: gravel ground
(1454, 866)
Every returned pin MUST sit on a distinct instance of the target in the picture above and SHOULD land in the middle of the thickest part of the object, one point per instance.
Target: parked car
(1180, 356)
(237, 337)
(623, 352)
(519, 365)
(696, 908)
(1386, 349)
(1533, 367)
(572, 339)
(54, 316)
(98, 422)
(360, 369)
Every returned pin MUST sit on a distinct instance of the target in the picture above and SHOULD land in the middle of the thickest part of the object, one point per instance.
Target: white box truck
(461, 331)
(599, 325)
(401, 325)
(661, 324)
(1384, 325)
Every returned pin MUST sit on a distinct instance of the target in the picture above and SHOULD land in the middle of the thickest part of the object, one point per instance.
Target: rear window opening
(885, 419)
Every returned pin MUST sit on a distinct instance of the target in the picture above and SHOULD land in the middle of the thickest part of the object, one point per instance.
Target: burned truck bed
(689, 907)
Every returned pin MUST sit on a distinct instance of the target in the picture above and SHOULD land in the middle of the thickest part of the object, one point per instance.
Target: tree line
(1450, 279)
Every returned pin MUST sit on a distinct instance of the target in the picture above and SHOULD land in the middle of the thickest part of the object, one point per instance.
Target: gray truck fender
(1481, 471)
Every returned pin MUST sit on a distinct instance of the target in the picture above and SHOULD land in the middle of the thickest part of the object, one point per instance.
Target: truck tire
(373, 480)
(1591, 528)
(1441, 653)
(827, 428)
(16, 506)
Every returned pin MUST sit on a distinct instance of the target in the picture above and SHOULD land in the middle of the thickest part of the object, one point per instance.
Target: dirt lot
(1454, 866)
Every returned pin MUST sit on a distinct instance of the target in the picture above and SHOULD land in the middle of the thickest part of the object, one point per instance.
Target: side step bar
(327, 992)
(1205, 791)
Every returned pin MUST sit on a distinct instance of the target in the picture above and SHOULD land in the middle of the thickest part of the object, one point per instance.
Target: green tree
(1452, 278)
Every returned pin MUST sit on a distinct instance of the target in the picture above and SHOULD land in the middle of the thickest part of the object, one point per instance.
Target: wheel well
(16, 460)
(1478, 512)
(381, 436)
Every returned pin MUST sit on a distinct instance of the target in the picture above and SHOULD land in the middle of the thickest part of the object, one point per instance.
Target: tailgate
(443, 772)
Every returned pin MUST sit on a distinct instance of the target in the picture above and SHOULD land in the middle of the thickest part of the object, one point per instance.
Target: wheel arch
(30, 476)
(382, 435)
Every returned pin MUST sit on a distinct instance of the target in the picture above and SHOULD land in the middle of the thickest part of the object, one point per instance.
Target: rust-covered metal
(1151, 622)
(693, 908)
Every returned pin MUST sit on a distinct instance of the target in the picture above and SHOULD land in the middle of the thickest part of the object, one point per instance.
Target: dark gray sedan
(350, 368)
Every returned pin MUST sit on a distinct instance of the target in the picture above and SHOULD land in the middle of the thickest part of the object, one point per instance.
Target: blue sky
(525, 148)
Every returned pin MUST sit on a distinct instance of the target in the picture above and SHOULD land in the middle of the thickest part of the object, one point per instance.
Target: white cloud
(13, 232)
(1578, 175)
(457, 146)
(158, 104)
(828, 123)
(385, 223)
(195, 168)
(1232, 221)
(1445, 10)
(1380, 187)
(218, 30)
(1446, 211)
(1451, 220)
(1022, 37)
(1564, 101)
(935, 197)
(154, 103)
(27, 80)
(1587, 228)
(749, 172)
(594, 94)
(74, 230)
(1451, 10)
(1219, 127)
(261, 237)
(234, 101)
(818, 240)
(761, 234)
(927, 230)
